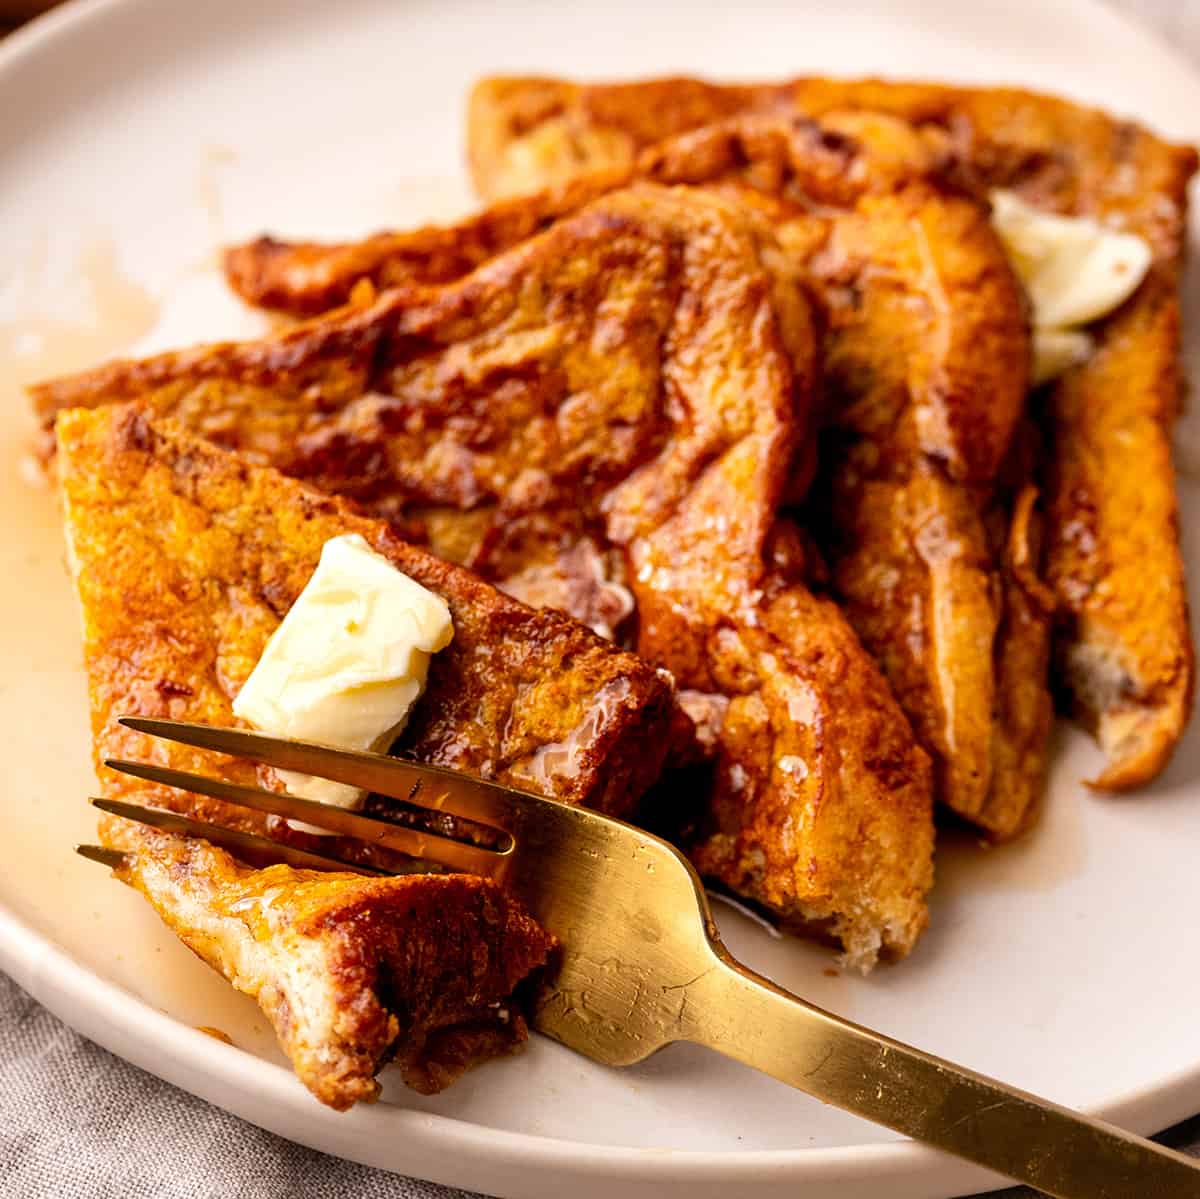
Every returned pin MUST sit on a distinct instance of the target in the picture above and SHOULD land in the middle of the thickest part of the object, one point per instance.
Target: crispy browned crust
(305, 278)
(925, 361)
(628, 384)
(833, 162)
(352, 972)
(1111, 542)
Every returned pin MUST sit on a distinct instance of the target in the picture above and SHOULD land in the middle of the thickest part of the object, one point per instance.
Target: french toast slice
(925, 370)
(187, 558)
(608, 414)
(353, 972)
(1112, 546)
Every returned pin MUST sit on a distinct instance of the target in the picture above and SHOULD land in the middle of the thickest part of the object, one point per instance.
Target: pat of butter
(348, 661)
(1057, 350)
(1074, 270)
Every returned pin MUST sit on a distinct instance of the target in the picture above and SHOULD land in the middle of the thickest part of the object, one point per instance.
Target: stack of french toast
(782, 434)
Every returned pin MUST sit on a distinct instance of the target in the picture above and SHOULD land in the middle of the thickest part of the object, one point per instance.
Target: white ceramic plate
(135, 137)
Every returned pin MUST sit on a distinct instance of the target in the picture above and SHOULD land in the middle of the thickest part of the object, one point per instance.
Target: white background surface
(1060, 964)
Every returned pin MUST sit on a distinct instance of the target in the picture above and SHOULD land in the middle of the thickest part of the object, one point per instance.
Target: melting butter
(1074, 270)
(348, 661)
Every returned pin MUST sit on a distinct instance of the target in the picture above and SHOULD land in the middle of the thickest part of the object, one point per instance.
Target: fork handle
(1059, 1151)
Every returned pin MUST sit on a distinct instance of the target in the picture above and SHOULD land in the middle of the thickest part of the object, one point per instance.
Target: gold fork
(643, 965)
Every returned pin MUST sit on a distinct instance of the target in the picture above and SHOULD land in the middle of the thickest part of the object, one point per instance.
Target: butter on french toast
(609, 412)
(1112, 546)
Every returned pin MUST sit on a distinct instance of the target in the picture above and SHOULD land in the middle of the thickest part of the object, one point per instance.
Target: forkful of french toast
(639, 962)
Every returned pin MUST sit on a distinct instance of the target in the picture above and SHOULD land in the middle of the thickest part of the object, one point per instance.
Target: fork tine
(432, 787)
(244, 845)
(112, 858)
(417, 843)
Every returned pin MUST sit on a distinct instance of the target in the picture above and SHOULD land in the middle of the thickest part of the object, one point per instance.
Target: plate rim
(116, 1019)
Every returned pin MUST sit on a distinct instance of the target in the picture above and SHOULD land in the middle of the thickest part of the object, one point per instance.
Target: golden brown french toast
(1112, 548)
(925, 371)
(187, 558)
(353, 972)
(608, 413)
